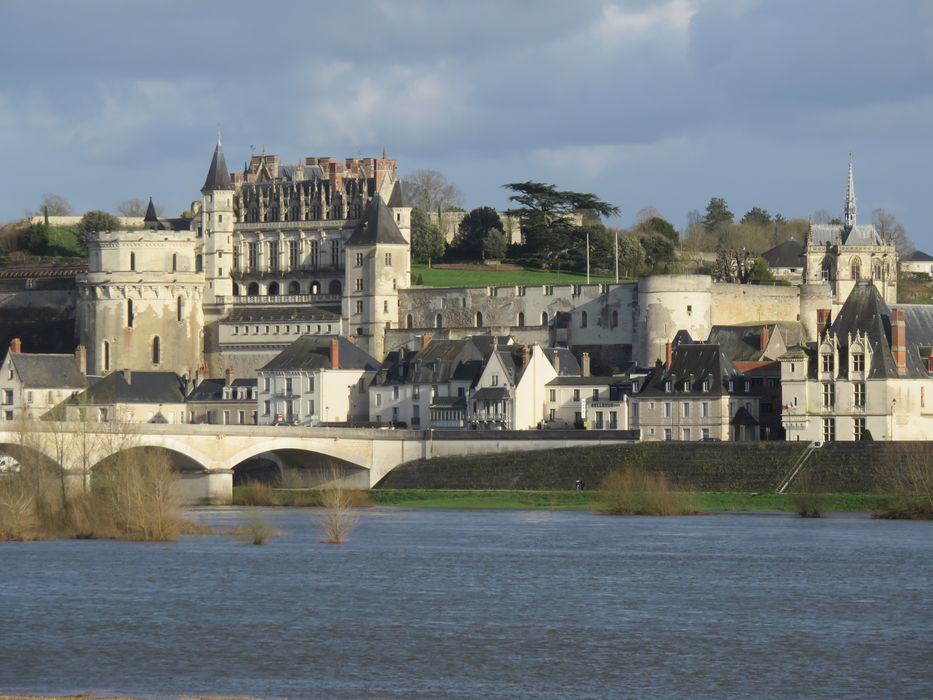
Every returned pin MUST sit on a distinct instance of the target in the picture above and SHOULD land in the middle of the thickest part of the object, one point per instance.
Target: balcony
(283, 299)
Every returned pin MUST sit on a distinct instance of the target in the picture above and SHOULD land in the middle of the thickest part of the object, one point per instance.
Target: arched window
(315, 288)
(174, 262)
(544, 318)
(877, 270)
(856, 268)
(132, 261)
(521, 318)
(236, 289)
(409, 321)
(826, 269)
(179, 309)
(105, 351)
(438, 321)
(335, 288)
(615, 319)
(199, 263)
(583, 319)
(478, 319)
(156, 350)
(294, 288)
(130, 316)
(253, 289)
(273, 289)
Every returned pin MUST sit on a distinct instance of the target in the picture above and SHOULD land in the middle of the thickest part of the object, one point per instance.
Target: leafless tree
(890, 230)
(646, 213)
(55, 205)
(137, 207)
(430, 191)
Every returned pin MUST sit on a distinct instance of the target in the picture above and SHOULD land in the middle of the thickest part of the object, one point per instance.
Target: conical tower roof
(377, 226)
(151, 216)
(217, 176)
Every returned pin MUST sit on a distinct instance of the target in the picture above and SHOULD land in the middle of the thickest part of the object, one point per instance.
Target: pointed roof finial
(850, 198)
(219, 144)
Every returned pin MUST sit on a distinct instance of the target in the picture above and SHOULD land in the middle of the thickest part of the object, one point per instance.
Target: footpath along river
(448, 604)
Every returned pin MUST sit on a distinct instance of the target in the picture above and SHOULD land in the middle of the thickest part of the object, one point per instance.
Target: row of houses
(868, 374)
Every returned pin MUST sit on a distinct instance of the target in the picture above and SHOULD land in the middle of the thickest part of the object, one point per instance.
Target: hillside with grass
(478, 275)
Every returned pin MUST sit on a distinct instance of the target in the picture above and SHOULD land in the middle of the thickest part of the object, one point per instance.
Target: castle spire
(151, 214)
(850, 198)
(217, 176)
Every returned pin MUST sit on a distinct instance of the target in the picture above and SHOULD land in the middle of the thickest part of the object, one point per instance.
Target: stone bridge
(210, 456)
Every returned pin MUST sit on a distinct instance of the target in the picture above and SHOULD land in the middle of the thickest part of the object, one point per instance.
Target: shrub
(635, 492)
(337, 519)
(255, 493)
(807, 505)
(256, 530)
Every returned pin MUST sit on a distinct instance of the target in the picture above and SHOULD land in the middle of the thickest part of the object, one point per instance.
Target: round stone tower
(667, 304)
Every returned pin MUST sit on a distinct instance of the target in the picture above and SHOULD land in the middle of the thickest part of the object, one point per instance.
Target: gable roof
(377, 225)
(865, 312)
(213, 389)
(310, 352)
(690, 365)
(918, 256)
(46, 371)
(742, 342)
(786, 254)
(142, 387)
(838, 234)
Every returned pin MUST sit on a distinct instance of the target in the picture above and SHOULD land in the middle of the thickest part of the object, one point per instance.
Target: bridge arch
(295, 462)
(184, 457)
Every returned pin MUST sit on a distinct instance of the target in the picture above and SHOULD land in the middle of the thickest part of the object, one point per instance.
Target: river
(445, 603)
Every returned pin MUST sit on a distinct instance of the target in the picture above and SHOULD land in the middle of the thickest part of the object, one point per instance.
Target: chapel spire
(218, 178)
(850, 198)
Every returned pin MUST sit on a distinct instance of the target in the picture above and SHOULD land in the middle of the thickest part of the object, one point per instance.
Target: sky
(659, 104)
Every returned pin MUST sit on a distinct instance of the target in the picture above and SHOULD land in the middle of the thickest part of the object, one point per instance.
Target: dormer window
(826, 362)
(706, 384)
(668, 386)
(731, 386)
(858, 362)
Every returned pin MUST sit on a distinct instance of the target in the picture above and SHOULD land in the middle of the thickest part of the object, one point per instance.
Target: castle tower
(378, 264)
(217, 229)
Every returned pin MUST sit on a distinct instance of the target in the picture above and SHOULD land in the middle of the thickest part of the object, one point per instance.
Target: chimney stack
(81, 358)
(334, 353)
(555, 361)
(526, 356)
(668, 354)
(229, 376)
(765, 338)
(822, 322)
(425, 340)
(585, 364)
(16, 345)
(127, 375)
(899, 340)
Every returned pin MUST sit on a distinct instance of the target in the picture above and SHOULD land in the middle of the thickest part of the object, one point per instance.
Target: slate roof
(690, 365)
(569, 366)
(864, 311)
(742, 342)
(217, 176)
(491, 393)
(310, 352)
(398, 198)
(743, 417)
(790, 253)
(377, 225)
(143, 387)
(48, 371)
(582, 381)
(279, 314)
(837, 234)
(918, 256)
(213, 390)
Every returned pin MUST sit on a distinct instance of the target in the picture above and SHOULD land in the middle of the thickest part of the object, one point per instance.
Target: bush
(807, 505)
(635, 492)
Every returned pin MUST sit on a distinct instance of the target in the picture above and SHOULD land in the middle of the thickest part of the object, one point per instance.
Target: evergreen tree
(474, 230)
(717, 213)
(756, 216)
(427, 240)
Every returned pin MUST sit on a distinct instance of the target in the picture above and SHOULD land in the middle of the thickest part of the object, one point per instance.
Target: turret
(217, 228)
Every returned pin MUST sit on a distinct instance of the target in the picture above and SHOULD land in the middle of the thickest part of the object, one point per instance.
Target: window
(668, 434)
(613, 420)
(293, 255)
(288, 386)
(272, 247)
(553, 395)
(265, 407)
(668, 409)
(385, 306)
(544, 318)
(389, 259)
(362, 385)
(858, 429)
(359, 284)
(7, 397)
(686, 410)
(156, 350)
(826, 362)
(133, 261)
(359, 259)
(130, 316)
(495, 380)
(858, 362)
(28, 397)
(829, 395)
(265, 384)
(521, 318)
(858, 395)
(552, 415)
(668, 386)
(438, 321)
(583, 319)
(478, 319)
(685, 435)
(416, 391)
(689, 309)
(106, 353)
(359, 307)
(179, 309)
(704, 433)
(378, 399)
(635, 410)
(704, 409)
(576, 394)
(395, 393)
(829, 429)
(174, 262)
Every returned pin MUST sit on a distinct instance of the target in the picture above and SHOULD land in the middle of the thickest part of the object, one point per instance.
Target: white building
(33, 383)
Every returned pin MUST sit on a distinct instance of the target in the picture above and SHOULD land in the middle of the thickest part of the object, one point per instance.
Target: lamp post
(617, 254)
(587, 256)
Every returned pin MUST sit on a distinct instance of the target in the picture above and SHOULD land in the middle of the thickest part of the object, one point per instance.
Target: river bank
(494, 499)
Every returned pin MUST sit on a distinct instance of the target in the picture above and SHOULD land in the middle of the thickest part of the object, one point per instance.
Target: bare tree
(55, 205)
(337, 518)
(429, 190)
(646, 213)
(137, 207)
(891, 231)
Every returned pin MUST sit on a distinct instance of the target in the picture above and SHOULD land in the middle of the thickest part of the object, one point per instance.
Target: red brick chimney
(334, 353)
(81, 358)
(426, 340)
(668, 354)
(526, 356)
(930, 362)
(229, 376)
(16, 345)
(585, 364)
(822, 322)
(899, 340)
(765, 338)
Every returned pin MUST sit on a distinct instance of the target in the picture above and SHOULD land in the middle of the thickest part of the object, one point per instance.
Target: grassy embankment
(702, 501)
(482, 277)
(914, 288)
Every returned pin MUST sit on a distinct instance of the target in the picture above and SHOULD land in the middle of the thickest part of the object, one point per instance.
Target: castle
(278, 251)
